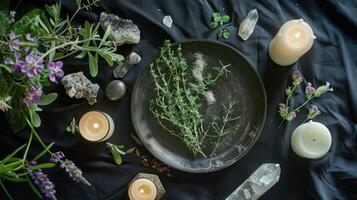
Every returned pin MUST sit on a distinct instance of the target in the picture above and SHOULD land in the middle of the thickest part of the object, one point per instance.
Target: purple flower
(323, 89)
(34, 65)
(72, 170)
(33, 95)
(283, 110)
(29, 37)
(14, 43)
(313, 112)
(309, 91)
(42, 181)
(291, 116)
(56, 71)
(57, 157)
(296, 77)
(18, 64)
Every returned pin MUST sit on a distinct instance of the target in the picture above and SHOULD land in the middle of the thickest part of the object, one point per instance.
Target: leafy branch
(178, 98)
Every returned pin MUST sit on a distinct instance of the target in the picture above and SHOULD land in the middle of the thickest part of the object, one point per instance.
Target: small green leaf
(117, 157)
(41, 166)
(225, 19)
(107, 58)
(130, 150)
(48, 99)
(93, 65)
(226, 34)
(36, 120)
(136, 139)
(117, 148)
(82, 54)
(106, 34)
(137, 152)
(216, 16)
(213, 25)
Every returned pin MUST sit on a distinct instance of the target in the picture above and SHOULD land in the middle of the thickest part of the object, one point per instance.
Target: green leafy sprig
(118, 151)
(178, 100)
(288, 114)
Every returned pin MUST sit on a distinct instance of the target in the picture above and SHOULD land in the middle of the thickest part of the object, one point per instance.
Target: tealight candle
(142, 189)
(311, 140)
(293, 40)
(96, 126)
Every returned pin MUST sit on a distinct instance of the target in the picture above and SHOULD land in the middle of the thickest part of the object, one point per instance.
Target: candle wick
(297, 35)
(142, 191)
(314, 139)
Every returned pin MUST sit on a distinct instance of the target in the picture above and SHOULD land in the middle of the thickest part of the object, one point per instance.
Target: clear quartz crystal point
(247, 26)
(258, 183)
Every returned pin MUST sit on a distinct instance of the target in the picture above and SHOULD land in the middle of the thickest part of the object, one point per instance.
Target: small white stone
(167, 21)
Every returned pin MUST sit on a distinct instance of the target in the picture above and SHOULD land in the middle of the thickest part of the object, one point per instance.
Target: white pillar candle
(311, 140)
(293, 40)
(96, 126)
(142, 189)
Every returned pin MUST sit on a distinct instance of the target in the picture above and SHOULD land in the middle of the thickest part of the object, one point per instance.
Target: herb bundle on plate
(31, 53)
(180, 92)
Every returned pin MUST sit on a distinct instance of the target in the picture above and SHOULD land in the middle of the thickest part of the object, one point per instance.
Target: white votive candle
(311, 140)
(96, 126)
(293, 40)
(142, 189)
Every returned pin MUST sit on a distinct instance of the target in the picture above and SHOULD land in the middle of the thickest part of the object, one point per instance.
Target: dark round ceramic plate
(243, 83)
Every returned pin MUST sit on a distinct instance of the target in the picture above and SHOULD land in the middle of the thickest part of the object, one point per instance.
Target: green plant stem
(287, 104)
(302, 105)
(27, 148)
(66, 44)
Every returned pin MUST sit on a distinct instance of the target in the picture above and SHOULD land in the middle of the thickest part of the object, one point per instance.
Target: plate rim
(261, 83)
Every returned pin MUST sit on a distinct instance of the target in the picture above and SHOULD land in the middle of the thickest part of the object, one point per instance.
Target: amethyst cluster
(72, 170)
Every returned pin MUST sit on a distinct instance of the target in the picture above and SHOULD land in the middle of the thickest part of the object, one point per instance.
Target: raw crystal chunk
(123, 30)
(247, 26)
(78, 86)
(167, 21)
(130, 60)
(258, 183)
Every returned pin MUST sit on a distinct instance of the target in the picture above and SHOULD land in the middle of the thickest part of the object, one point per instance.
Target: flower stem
(27, 148)
(302, 105)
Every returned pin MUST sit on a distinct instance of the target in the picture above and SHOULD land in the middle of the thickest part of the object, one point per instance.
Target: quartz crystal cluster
(258, 183)
(123, 30)
(247, 26)
(130, 60)
(78, 86)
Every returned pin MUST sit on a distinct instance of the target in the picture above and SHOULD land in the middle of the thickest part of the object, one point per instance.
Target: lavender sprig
(310, 93)
(72, 170)
(42, 181)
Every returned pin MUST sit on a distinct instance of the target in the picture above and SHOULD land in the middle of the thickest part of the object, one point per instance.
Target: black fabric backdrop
(332, 58)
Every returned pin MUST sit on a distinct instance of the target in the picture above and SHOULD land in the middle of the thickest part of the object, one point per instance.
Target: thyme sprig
(178, 100)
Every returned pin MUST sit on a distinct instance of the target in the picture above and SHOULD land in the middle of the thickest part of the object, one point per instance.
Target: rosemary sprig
(178, 99)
